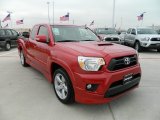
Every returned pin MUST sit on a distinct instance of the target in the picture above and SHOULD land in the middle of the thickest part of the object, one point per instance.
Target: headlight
(90, 63)
(145, 39)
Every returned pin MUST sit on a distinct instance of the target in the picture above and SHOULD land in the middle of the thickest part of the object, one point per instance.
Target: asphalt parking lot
(25, 94)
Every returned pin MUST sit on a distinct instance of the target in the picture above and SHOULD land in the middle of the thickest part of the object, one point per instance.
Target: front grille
(155, 39)
(119, 63)
(111, 39)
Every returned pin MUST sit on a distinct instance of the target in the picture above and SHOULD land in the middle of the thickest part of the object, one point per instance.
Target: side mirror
(133, 33)
(41, 38)
(100, 38)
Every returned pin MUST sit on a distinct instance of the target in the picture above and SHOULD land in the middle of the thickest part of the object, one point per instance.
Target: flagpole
(113, 16)
(53, 12)
(0, 24)
(48, 13)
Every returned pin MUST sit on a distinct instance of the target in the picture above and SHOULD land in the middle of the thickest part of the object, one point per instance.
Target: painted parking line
(3, 54)
(149, 58)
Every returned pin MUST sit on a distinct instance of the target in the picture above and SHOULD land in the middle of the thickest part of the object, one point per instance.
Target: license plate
(127, 78)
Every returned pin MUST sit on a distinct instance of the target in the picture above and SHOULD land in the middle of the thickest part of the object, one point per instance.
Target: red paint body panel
(41, 56)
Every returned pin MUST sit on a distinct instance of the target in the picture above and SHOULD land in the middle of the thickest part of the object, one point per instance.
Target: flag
(5, 26)
(141, 16)
(65, 17)
(92, 23)
(8, 17)
(18, 22)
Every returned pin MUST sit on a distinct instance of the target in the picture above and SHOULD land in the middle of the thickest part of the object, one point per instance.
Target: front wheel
(63, 87)
(138, 47)
(158, 50)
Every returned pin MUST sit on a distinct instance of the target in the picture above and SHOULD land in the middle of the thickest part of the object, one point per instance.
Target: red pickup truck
(81, 67)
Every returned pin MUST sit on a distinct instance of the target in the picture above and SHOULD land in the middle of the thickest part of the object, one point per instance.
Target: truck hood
(148, 35)
(96, 48)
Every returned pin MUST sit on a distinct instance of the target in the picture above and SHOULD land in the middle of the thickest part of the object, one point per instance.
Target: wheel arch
(56, 65)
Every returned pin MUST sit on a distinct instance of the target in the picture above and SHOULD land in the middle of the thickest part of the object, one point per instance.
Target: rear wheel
(63, 87)
(158, 50)
(23, 59)
(138, 47)
(7, 46)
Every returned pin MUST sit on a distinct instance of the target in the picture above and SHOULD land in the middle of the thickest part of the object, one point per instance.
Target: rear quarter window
(14, 33)
(34, 32)
(2, 32)
(8, 32)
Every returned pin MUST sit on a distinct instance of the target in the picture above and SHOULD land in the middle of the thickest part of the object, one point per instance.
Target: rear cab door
(127, 36)
(9, 36)
(2, 37)
(132, 37)
(30, 45)
(14, 37)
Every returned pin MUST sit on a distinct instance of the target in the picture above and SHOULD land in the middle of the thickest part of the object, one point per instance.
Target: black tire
(69, 94)
(138, 47)
(158, 50)
(23, 59)
(7, 46)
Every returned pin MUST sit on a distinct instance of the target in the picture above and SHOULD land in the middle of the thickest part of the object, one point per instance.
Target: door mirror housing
(100, 38)
(133, 33)
(41, 38)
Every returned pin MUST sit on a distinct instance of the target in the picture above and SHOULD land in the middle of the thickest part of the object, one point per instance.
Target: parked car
(122, 35)
(108, 34)
(8, 38)
(141, 38)
(25, 34)
(158, 31)
(81, 67)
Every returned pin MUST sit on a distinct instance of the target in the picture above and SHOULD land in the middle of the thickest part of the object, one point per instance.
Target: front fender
(64, 65)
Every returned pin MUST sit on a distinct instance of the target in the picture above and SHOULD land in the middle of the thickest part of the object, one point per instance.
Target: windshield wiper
(88, 40)
(68, 41)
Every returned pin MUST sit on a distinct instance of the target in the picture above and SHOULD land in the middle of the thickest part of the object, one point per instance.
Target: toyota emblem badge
(127, 61)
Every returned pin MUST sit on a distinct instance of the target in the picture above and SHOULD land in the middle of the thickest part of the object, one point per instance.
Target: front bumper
(105, 91)
(151, 44)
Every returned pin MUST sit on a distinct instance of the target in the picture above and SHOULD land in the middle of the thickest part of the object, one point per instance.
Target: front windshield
(73, 33)
(146, 31)
(106, 31)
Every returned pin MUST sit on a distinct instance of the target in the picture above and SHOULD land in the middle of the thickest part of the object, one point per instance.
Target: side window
(33, 32)
(133, 32)
(8, 32)
(14, 33)
(129, 31)
(43, 31)
(2, 33)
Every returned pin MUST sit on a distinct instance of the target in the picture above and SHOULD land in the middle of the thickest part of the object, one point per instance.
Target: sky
(82, 12)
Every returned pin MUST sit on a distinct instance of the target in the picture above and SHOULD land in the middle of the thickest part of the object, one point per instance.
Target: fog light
(91, 87)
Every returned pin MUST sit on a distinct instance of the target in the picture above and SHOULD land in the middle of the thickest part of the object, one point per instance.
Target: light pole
(113, 16)
(53, 12)
(48, 13)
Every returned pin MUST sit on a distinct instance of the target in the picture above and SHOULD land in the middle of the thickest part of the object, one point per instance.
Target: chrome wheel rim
(60, 86)
(22, 58)
(137, 47)
(8, 46)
